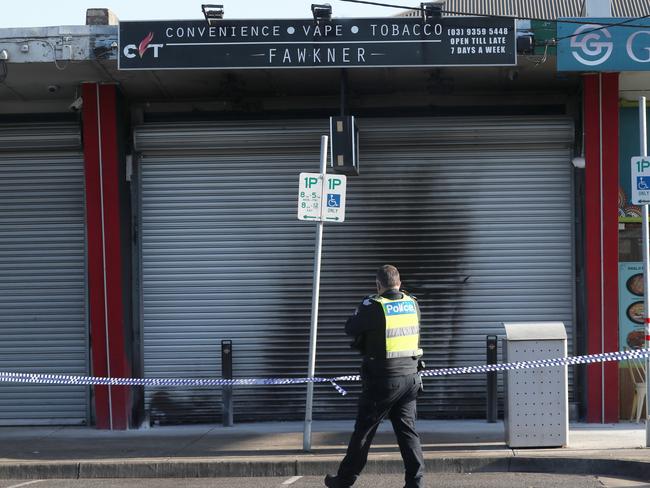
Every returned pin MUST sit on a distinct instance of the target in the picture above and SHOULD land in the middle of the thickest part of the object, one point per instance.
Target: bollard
(491, 358)
(226, 373)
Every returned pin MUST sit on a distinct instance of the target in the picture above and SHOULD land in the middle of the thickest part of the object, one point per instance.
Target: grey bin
(537, 399)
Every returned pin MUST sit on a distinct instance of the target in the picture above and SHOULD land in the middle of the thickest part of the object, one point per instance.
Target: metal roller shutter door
(476, 213)
(42, 279)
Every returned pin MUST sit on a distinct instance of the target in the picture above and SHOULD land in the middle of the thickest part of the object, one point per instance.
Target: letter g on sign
(629, 46)
(592, 48)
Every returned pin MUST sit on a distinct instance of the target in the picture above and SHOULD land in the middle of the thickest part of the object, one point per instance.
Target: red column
(601, 229)
(105, 257)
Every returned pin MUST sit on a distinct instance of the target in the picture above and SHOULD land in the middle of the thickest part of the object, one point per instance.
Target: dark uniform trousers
(394, 397)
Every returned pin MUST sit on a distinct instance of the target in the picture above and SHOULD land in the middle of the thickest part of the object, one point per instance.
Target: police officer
(386, 330)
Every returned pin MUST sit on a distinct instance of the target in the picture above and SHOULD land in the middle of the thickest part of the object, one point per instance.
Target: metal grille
(537, 9)
(476, 213)
(42, 273)
(39, 137)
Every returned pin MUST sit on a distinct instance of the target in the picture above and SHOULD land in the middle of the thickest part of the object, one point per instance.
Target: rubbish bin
(537, 400)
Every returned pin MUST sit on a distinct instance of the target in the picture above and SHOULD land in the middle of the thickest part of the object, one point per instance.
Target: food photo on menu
(635, 312)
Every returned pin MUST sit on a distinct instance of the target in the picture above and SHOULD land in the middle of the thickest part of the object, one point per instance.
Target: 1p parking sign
(640, 183)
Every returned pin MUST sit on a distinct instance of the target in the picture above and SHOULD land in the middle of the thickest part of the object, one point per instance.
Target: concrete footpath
(275, 449)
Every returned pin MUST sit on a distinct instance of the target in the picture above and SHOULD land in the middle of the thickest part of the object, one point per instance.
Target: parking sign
(640, 180)
(321, 197)
(334, 198)
(310, 195)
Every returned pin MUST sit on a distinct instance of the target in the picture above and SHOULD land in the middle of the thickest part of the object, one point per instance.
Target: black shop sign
(341, 43)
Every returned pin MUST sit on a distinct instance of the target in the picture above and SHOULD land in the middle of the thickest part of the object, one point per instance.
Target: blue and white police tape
(538, 363)
(60, 379)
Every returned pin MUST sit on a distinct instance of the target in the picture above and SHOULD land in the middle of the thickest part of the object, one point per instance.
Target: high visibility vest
(402, 327)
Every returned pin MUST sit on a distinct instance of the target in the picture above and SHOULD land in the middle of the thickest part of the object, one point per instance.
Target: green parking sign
(640, 180)
(321, 197)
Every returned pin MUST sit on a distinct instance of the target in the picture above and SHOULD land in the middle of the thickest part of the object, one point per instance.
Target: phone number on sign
(477, 31)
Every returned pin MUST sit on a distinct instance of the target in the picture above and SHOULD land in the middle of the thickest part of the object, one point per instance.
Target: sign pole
(646, 264)
(306, 440)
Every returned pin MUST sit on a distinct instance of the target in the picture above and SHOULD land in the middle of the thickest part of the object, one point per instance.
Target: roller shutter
(42, 272)
(475, 212)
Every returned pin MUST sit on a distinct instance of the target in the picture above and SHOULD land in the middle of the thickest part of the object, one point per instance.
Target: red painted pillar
(601, 222)
(106, 279)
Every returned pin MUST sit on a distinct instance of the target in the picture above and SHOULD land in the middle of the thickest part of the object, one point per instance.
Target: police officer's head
(388, 278)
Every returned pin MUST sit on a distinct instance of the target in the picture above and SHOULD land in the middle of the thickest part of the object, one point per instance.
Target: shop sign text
(596, 45)
(341, 43)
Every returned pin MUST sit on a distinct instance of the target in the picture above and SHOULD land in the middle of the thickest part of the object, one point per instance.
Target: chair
(637, 371)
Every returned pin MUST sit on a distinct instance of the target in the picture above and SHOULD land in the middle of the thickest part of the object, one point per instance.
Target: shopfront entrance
(43, 322)
(476, 212)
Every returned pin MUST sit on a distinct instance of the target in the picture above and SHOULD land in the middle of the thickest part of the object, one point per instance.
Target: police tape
(60, 379)
(537, 363)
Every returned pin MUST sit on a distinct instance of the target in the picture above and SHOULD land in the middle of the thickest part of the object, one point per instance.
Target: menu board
(630, 305)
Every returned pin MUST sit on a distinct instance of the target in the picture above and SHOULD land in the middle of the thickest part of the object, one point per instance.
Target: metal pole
(491, 358)
(306, 440)
(646, 264)
(226, 391)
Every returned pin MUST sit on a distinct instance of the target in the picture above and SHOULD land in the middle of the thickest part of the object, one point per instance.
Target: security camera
(76, 105)
(52, 88)
(578, 162)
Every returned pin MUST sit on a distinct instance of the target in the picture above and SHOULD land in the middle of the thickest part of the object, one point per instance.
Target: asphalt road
(479, 480)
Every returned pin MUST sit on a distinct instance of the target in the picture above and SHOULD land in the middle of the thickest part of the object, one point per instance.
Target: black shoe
(334, 482)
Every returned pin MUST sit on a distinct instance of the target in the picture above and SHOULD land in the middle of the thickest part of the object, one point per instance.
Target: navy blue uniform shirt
(368, 328)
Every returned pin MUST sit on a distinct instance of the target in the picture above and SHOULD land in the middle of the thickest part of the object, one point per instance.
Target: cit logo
(594, 47)
(145, 44)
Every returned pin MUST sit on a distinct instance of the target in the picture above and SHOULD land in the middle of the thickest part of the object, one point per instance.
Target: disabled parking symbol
(643, 183)
(333, 200)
